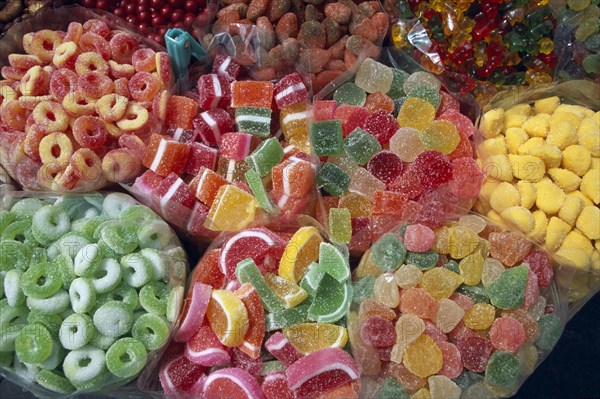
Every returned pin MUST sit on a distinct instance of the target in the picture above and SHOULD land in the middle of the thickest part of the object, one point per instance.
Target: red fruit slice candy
(231, 383)
(204, 348)
(193, 312)
(275, 386)
(256, 315)
(182, 377)
(279, 346)
(207, 270)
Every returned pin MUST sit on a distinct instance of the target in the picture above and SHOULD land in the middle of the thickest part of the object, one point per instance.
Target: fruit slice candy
(228, 317)
(231, 383)
(283, 350)
(333, 262)
(332, 300)
(301, 251)
(204, 348)
(182, 377)
(248, 272)
(275, 386)
(207, 271)
(321, 371)
(291, 293)
(256, 316)
(193, 312)
(311, 337)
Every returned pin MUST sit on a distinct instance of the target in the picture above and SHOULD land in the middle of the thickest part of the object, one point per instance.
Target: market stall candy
(466, 310)
(504, 43)
(395, 147)
(90, 288)
(219, 167)
(76, 107)
(317, 38)
(264, 318)
(542, 164)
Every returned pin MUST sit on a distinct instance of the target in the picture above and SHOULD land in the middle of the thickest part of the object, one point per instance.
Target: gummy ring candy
(24, 61)
(27, 39)
(76, 331)
(49, 174)
(136, 271)
(110, 276)
(7, 93)
(111, 107)
(118, 71)
(122, 87)
(87, 164)
(50, 223)
(124, 294)
(53, 381)
(76, 103)
(31, 144)
(113, 319)
(12, 288)
(14, 115)
(57, 303)
(138, 214)
(89, 132)
(153, 298)
(116, 203)
(10, 315)
(126, 357)
(121, 239)
(35, 82)
(158, 263)
(66, 55)
(135, 118)
(144, 60)
(74, 32)
(87, 260)
(26, 208)
(44, 43)
(41, 281)
(92, 42)
(19, 230)
(96, 26)
(159, 105)
(174, 303)
(33, 344)
(91, 62)
(50, 116)
(144, 86)
(102, 342)
(151, 330)
(95, 85)
(30, 102)
(122, 46)
(84, 364)
(56, 150)
(120, 165)
(82, 294)
(154, 235)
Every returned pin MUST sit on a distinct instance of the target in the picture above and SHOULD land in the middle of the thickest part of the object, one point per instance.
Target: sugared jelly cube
(254, 120)
(351, 116)
(232, 170)
(293, 177)
(389, 203)
(181, 111)
(176, 200)
(251, 94)
(361, 235)
(293, 120)
(214, 91)
(290, 90)
(201, 156)
(363, 182)
(326, 137)
(225, 66)
(386, 166)
(182, 135)
(206, 184)
(381, 125)
(211, 124)
(165, 156)
(268, 154)
(235, 146)
(232, 209)
(361, 146)
(340, 225)
(146, 186)
(323, 110)
(332, 179)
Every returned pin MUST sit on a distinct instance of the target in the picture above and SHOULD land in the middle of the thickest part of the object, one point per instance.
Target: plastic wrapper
(468, 310)
(562, 172)
(97, 117)
(265, 315)
(91, 286)
(404, 151)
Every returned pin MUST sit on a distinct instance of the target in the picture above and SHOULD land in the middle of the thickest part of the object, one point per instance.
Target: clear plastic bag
(586, 280)
(117, 259)
(20, 139)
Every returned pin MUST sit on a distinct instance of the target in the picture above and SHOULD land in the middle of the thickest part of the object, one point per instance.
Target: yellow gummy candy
(480, 316)
(416, 113)
(556, 233)
(558, 118)
(562, 134)
(571, 209)
(422, 393)
(311, 337)
(515, 137)
(546, 105)
(550, 197)
(441, 386)
(577, 159)
(565, 179)
(442, 240)
(423, 357)
(291, 293)
(367, 267)
(357, 204)
(578, 110)
(541, 225)
(520, 217)
(487, 189)
(504, 196)
(589, 136)
(462, 242)
(527, 193)
(537, 126)
(527, 167)
(471, 268)
(233, 209)
(596, 117)
(492, 123)
(537, 147)
(293, 120)
(575, 257)
(516, 115)
(588, 222)
(494, 146)
(498, 167)
(495, 217)
(590, 185)
(299, 253)
(575, 239)
(595, 163)
(441, 282)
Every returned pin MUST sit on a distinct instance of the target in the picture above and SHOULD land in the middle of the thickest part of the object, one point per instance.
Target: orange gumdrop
(419, 302)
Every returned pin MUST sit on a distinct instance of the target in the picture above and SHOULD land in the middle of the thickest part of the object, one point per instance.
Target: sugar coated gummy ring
(124, 294)
(113, 319)
(12, 288)
(87, 260)
(153, 298)
(136, 270)
(154, 235)
(158, 262)
(76, 331)
(89, 132)
(33, 344)
(116, 203)
(54, 381)
(41, 281)
(151, 330)
(50, 117)
(107, 277)
(57, 303)
(15, 254)
(120, 238)
(85, 364)
(126, 357)
(49, 224)
(19, 231)
(82, 294)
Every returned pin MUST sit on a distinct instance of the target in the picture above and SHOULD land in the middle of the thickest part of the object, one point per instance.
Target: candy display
(219, 168)
(77, 105)
(543, 178)
(466, 310)
(90, 288)
(397, 148)
(264, 318)
(320, 39)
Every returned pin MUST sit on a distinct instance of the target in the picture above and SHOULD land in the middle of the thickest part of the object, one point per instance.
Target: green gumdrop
(350, 94)
(361, 146)
(389, 252)
(332, 179)
(397, 89)
(503, 369)
(363, 289)
(423, 260)
(427, 93)
(591, 63)
(452, 266)
(476, 292)
(392, 389)
(268, 154)
(508, 291)
(551, 329)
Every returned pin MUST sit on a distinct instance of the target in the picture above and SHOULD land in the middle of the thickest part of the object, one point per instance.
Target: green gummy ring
(38, 255)
(51, 321)
(113, 319)
(151, 330)
(153, 298)
(87, 226)
(154, 234)
(14, 255)
(121, 239)
(136, 270)
(65, 267)
(8, 337)
(19, 231)
(107, 277)
(26, 371)
(84, 365)
(6, 359)
(97, 383)
(76, 331)
(102, 341)
(87, 260)
(57, 303)
(54, 381)
(157, 261)
(33, 344)
(116, 203)
(82, 295)
(6, 218)
(76, 207)
(56, 357)
(1, 285)
(138, 213)
(124, 294)
(106, 223)
(49, 223)
(71, 243)
(107, 252)
(26, 208)
(126, 357)
(10, 315)
(174, 303)
(12, 288)
(41, 281)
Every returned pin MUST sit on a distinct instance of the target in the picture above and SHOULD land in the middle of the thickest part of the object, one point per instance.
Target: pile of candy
(233, 174)
(89, 289)
(75, 107)
(503, 42)
(323, 39)
(401, 152)
(465, 309)
(264, 318)
(542, 162)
